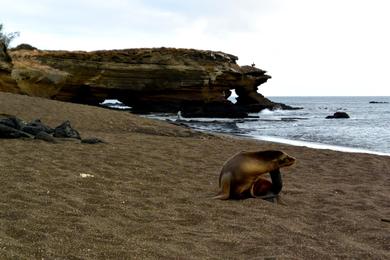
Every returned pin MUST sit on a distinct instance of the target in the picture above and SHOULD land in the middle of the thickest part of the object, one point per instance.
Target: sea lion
(241, 175)
(261, 187)
(264, 189)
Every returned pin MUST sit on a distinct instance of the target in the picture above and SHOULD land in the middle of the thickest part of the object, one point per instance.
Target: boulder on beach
(65, 130)
(12, 127)
(36, 126)
(10, 132)
(92, 140)
(13, 122)
(45, 137)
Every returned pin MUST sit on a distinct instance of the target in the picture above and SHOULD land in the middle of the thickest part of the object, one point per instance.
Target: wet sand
(150, 195)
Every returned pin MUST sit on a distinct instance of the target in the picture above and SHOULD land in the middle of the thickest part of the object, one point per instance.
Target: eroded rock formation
(149, 80)
(7, 83)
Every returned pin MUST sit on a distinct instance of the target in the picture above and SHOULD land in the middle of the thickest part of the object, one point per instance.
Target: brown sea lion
(241, 175)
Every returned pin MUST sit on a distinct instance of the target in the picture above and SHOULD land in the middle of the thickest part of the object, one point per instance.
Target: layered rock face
(149, 80)
(7, 83)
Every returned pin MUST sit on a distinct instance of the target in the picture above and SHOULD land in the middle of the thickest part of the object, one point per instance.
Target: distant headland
(195, 82)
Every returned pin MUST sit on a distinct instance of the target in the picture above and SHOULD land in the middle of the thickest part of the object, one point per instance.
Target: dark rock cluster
(13, 127)
(379, 102)
(338, 115)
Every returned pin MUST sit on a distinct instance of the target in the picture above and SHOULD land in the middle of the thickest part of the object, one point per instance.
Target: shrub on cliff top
(24, 46)
(6, 38)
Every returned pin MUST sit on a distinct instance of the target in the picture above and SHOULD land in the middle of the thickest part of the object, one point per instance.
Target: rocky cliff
(149, 80)
(7, 83)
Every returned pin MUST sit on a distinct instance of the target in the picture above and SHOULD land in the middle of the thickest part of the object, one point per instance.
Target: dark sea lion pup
(241, 175)
(264, 189)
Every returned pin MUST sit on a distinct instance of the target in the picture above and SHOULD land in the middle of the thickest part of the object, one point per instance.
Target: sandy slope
(150, 195)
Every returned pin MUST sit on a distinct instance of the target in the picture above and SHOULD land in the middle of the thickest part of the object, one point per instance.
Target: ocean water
(367, 129)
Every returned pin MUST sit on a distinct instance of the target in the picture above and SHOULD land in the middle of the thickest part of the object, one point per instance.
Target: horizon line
(323, 96)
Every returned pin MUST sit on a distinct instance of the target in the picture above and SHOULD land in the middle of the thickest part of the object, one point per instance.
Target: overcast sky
(309, 47)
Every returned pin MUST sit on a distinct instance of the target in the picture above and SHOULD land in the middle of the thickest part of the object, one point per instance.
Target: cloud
(120, 16)
(221, 16)
(309, 47)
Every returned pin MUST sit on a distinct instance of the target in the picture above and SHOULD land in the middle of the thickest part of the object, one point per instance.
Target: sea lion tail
(221, 197)
(224, 193)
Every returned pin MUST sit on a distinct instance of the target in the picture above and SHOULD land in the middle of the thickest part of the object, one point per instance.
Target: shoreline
(296, 143)
(318, 145)
(348, 147)
(305, 128)
(280, 140)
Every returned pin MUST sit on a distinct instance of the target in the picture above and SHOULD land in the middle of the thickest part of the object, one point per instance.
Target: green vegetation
(6, 38)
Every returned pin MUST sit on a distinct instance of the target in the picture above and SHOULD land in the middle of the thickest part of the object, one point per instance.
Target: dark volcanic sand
(150, 196)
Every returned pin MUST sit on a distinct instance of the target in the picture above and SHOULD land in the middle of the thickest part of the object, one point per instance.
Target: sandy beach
(147, 194)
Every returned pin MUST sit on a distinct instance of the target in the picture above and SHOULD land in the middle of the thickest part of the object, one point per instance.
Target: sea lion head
(277, 158)
(285, 160)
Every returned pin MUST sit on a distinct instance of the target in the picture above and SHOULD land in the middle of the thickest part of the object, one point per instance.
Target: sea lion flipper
(252, 191)
(221, 197)
(269, 196)
(277, 182)
(224, 193)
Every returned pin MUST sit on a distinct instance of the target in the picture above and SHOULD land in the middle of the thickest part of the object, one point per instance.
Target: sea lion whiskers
(286, 160)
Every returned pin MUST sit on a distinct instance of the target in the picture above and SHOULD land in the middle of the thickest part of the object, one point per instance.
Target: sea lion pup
(241, 174)
(264, 189)
(260, 188)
